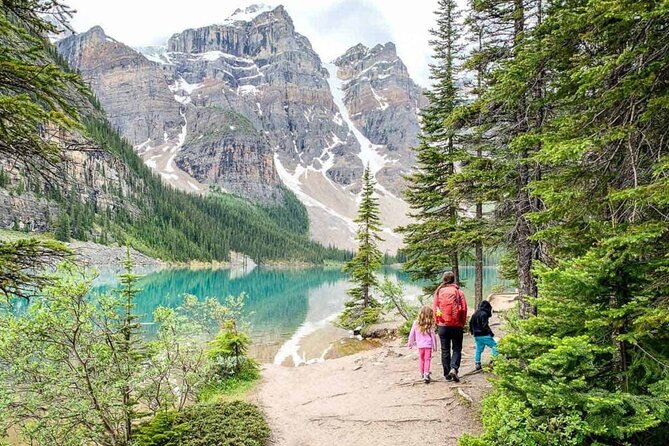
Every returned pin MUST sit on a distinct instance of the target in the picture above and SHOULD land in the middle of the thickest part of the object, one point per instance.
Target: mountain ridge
(260, 73)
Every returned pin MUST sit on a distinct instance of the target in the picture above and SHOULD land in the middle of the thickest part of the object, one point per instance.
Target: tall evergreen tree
(592, 368)
(434, 241)
(501, 170)
(363, 308)
(63, 231)
(35, 104)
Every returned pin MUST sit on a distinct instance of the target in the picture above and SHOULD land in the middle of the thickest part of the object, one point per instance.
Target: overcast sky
(332, 26)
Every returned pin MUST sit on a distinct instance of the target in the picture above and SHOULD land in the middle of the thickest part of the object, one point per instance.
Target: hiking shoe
(448, 377)
(428, 378)
(454, 375)
(478, 367)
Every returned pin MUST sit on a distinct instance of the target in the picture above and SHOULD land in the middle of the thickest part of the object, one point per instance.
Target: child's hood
(485, 306)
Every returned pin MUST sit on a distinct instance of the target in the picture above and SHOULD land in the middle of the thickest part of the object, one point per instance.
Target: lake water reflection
(284, 306)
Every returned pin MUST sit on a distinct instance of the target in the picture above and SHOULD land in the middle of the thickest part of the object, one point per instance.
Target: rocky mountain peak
(246, 32)
(96, 32)
(94, 36)
(354, 53)
(387, 49)
(359, 58)
(250, 12)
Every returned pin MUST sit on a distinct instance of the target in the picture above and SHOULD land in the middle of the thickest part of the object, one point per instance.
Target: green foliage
(290, 215)
(592, 367)
(22, 265)
(356, 316)
(75, 361)
(233, 423)
(228, 352)
(75, 368)
(232, 387)
(166, 428)
(180, 355)
(363, 309)
(63, 230)
(36, 96)
(392, 298)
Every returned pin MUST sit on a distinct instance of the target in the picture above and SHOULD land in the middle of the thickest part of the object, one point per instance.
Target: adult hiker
(450, 310)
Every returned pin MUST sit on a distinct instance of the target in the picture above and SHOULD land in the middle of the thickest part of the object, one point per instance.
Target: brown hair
(447, 279)
(425, 321)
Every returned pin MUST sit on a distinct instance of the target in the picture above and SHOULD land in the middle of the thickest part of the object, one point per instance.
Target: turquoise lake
(284, 306)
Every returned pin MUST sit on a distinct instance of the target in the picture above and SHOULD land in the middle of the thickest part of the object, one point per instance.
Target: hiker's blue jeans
(481, 343)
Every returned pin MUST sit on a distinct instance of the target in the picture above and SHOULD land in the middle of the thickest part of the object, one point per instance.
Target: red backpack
(450, 306)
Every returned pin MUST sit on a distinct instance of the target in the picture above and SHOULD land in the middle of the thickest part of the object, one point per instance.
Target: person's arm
(434, 342)
(471, 324)
(412, 336)
(486, 325)
(464, 308)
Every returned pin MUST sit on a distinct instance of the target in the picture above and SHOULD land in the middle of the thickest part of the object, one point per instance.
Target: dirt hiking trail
(372, 398)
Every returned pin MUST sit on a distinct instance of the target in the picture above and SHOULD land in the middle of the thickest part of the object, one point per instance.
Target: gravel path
(370, 398)
(374, 398)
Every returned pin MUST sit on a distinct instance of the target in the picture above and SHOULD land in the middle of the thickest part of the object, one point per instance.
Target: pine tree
(592, 367)
(500, 170)
(35, 104)
(63, 230)
(434, 241)
(363, 309)
(128, 345)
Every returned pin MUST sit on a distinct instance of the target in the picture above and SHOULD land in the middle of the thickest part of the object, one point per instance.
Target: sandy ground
(373, 398)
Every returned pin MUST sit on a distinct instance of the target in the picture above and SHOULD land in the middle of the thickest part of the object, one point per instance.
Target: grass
(10, 235)
(231, 389)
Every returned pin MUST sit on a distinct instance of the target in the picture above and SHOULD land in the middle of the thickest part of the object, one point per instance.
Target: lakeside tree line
(546, 136)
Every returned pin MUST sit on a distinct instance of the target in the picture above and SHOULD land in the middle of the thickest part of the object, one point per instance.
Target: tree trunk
(526, 248)
(453, 214)
(478, 266)
(478, 247)
(455, 267)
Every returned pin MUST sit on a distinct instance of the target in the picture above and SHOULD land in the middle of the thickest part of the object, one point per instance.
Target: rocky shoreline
(110, 258)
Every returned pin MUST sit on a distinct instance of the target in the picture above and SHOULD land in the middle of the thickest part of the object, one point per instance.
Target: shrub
(220, 424)
(228, 352)
(356, 315)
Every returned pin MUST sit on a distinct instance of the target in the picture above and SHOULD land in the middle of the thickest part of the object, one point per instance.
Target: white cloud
(332, 26)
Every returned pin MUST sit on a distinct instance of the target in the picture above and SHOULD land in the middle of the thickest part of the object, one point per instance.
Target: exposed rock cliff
(133, 91)
(150, 104)
(384, 103)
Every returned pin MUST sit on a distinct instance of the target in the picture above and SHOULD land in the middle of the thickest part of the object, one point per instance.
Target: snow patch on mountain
(369, 153)
(183, 85)
(156, 53)
(247, 14)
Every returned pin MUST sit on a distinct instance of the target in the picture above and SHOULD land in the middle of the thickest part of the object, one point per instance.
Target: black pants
(448, 336)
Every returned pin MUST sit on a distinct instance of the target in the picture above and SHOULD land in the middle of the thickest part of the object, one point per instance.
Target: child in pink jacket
(422, 336)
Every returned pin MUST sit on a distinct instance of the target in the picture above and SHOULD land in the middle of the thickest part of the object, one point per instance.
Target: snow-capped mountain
(247, 106)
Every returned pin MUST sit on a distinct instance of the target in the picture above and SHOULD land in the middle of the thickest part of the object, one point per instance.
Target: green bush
(355, 315)
(228, 353)
(223, 424)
